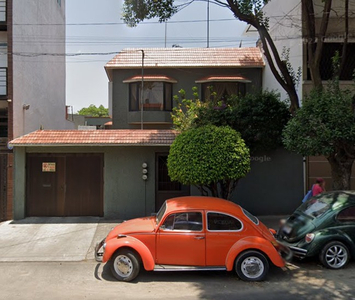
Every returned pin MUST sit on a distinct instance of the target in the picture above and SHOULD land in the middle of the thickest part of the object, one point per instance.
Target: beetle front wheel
(252, 266)
(125, 265)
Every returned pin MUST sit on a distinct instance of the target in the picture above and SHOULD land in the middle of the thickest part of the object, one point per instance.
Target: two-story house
(32, 78)
(121, 172)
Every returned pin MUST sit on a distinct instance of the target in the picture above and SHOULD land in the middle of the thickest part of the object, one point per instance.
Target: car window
(347, 215)
(184, 221)
(222, 222)
(251, 217)
(161, 212)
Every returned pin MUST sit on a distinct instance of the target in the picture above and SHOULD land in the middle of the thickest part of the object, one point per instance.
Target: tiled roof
(116, 137)
(187, 57)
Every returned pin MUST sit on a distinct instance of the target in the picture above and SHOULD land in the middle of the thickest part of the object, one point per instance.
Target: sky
(95, 32)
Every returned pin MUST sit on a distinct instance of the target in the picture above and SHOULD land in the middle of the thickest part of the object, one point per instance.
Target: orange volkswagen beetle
(192, 233)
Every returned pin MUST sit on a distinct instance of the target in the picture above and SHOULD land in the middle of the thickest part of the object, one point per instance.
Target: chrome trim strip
(298, 251)
(170, 268)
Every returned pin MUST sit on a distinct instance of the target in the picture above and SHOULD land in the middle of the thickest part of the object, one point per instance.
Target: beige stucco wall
(39, 65)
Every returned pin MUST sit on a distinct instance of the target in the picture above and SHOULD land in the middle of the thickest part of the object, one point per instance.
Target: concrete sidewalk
(61, 239)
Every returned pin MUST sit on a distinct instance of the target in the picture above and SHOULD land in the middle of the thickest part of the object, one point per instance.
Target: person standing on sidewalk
(318, 187)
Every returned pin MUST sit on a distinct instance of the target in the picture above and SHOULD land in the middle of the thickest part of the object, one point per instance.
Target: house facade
(32, 78)
(287, 28)
(122, 173)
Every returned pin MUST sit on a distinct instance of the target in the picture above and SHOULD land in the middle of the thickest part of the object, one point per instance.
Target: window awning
(223, 78)
(138, 78)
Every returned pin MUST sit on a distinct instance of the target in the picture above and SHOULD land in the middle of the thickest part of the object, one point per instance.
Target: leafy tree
(93, 111)
(325, 125)
(211, 158)
(260, 118)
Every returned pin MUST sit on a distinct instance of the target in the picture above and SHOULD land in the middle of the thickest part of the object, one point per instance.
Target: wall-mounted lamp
(9, 100)
(26, 106)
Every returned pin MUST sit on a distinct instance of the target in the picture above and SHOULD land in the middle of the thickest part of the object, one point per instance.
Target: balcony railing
(3, 83)
(2, 10)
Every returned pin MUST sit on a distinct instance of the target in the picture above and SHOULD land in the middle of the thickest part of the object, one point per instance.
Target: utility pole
(142, 89)
(208, 23)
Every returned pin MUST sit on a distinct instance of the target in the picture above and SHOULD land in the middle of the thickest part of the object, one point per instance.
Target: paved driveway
(50, 239)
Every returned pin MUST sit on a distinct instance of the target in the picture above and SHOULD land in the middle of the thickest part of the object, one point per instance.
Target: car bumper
(284, 250)
(99, 250)
(298, 252)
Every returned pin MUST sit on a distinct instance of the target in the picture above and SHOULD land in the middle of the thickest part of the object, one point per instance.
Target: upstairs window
(222, 90)
(3, 123)
(222, 87)
(157, 93)
(326, 67)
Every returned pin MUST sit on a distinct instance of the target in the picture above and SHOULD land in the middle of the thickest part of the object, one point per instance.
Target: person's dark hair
(319, 180)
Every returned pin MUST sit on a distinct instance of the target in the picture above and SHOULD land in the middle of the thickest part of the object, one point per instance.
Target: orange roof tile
(187, 57)
(116, 137)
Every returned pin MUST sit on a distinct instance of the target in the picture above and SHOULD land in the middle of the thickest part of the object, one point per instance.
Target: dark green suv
(323, 226)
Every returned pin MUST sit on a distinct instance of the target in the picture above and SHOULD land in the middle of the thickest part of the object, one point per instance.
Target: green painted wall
(186, 77)
(127, 195)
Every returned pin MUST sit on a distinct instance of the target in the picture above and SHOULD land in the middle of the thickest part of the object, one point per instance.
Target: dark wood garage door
(64, 185)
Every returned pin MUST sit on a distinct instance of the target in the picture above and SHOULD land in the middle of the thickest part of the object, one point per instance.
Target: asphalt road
(91, 280)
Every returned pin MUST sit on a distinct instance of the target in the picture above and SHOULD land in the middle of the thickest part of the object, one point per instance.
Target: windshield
(160, 213)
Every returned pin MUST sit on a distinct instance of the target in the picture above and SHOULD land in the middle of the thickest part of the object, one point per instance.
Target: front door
(64, 185)
(165, 188)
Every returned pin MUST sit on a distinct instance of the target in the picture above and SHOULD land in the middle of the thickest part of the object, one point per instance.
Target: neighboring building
(32, 78)
(287, 30)
(102, 172)
(97, 122)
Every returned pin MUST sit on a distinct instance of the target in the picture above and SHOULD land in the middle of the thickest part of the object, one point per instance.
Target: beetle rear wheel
(252, 266)
(334, 255)
(125, 265)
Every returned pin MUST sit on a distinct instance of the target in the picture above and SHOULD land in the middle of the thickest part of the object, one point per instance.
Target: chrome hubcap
(123, 265)
(336, 256)
(252, 267)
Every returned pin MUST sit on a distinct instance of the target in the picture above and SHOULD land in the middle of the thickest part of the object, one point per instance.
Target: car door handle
(199, 237)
